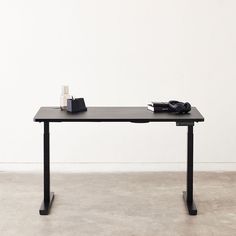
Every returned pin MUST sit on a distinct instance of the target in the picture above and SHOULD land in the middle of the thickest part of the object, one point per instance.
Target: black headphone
(179, 107)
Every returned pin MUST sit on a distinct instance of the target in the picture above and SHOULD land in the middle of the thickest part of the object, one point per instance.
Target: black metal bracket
(191, 206)
(46, 206)
(184, 123)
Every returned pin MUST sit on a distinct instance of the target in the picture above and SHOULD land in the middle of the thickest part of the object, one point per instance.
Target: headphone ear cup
(187, 107)
(172, 105)
(180, 107)
(176, 106)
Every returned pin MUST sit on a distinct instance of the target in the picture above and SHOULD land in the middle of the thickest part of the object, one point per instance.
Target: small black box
(76, 105)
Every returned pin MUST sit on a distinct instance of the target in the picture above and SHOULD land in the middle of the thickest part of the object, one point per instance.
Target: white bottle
(64, 96)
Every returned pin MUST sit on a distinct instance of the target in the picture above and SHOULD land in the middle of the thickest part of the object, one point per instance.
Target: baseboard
(117, 167)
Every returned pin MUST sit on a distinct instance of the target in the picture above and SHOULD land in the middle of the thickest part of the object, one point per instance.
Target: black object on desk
(76, 105)
(171, 106)
(117, 114)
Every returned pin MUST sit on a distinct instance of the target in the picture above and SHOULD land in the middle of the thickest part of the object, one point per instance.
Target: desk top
(115, 114)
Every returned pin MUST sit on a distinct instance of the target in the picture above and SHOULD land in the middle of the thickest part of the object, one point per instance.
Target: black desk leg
(188, 196)
(48, 197)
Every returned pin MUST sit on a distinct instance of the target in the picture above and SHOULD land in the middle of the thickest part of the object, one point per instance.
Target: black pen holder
(76, 105)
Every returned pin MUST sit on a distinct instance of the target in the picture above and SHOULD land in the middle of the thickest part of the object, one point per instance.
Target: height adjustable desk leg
(188, 195)
(48, 196)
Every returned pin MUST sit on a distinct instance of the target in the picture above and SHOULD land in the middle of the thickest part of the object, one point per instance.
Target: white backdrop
(121, 53)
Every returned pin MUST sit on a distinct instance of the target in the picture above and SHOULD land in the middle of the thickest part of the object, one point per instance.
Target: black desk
(117, 114)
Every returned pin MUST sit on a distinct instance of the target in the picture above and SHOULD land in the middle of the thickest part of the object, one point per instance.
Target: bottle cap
(65, 89)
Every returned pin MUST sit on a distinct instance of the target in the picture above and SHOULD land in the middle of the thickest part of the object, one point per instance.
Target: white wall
(122, 53)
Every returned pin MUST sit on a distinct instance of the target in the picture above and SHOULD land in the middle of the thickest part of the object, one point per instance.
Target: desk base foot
(192, 209)
(46, 206)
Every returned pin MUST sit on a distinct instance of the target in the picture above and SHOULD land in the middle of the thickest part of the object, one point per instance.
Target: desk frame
(187, 195)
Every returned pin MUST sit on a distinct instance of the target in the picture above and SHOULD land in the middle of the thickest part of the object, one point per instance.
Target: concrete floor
(125, 204)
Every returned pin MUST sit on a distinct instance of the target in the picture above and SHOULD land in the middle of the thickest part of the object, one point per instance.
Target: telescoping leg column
(48, 196)
(188, 195)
